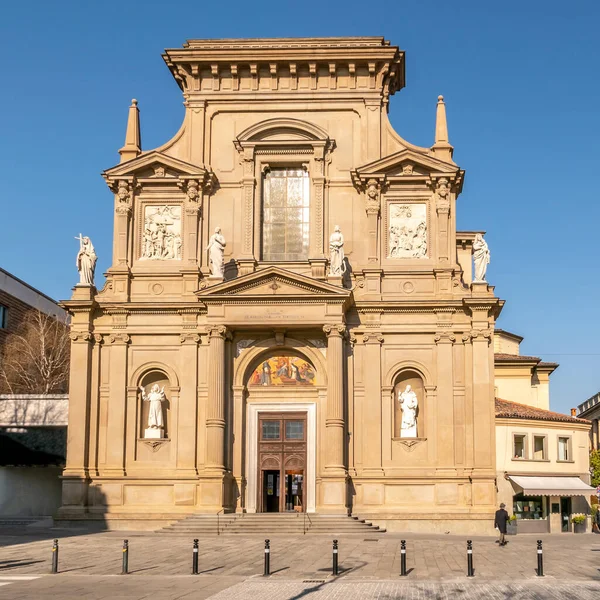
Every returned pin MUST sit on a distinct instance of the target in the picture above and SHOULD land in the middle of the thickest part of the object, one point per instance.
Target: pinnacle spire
(442, 147)
(133, 144)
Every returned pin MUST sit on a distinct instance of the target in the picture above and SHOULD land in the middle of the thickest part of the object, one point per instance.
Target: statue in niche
(156, 397)
(216, 253)
(86, 261)
(409, 405)
(337, 266)
(481, 258)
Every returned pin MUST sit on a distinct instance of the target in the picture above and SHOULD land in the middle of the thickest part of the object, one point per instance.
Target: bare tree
(37, 359)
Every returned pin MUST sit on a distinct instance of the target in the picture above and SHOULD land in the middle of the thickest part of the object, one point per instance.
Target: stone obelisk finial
(442, 148)
(133, 144)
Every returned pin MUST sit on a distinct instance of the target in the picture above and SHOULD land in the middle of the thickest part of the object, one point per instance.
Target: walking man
(500, 522)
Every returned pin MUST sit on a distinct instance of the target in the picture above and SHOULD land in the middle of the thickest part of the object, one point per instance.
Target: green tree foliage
(595, 466)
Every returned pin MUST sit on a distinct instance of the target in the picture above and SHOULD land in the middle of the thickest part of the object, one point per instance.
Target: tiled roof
(501, 356)
(513, 410)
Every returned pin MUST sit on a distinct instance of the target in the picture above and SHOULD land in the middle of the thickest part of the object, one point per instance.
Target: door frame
(252, 466)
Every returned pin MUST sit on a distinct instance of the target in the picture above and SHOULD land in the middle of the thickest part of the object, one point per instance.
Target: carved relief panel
(407, 230)
(161, 235)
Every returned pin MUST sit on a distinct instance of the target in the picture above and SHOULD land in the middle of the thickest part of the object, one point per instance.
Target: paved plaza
(231, 567)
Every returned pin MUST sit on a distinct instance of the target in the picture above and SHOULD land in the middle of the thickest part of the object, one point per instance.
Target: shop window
(564, 450)
(519, 445)
(270, 430)
(3, 316)
(529, 507)
(539, 447)
(286, 215)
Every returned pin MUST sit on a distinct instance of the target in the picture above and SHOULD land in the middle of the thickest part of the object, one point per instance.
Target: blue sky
(522, 86)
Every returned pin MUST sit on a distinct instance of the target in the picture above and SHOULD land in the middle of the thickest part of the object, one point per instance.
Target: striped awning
(551, 486)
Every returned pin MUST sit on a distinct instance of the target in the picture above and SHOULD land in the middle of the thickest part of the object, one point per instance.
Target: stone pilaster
(334, 423)
(187, 418)
(444, 408)
(372, 417)
(215, 409)
(115, 431)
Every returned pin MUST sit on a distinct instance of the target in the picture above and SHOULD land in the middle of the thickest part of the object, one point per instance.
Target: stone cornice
(367, 64)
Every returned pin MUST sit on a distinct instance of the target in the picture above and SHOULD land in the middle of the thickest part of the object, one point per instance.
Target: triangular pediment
(405, 163)
(155, 164)
(274, 283)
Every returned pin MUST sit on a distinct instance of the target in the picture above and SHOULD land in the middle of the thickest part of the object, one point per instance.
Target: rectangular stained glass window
(270, 430)
(294, 430)
(286, 215)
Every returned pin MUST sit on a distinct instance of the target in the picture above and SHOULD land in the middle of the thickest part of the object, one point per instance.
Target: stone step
(271, 524)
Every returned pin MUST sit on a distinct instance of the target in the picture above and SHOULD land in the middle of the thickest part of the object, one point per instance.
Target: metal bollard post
(540, 555)
(470, 572)
(125, 569)
(335, 557)
(195, 558)
(267, 558)
(55, 557)
(402, 558)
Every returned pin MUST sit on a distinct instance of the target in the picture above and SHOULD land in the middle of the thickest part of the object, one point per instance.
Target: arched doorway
(282, 397)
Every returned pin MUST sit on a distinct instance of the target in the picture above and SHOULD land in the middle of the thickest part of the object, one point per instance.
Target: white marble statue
(337, 266)
(216, 252)
(481, 258)
(408, 404)
(86, 261)
(156, 397)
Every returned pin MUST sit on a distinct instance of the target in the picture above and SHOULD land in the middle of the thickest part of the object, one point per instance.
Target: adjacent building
(590, 409)
(542, 456)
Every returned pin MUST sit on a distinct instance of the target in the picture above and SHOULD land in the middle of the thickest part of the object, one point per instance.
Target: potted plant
(511, 526)
(578, 521)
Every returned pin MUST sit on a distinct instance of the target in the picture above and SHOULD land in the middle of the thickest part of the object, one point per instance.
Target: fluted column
(215, 408)
(334, 422)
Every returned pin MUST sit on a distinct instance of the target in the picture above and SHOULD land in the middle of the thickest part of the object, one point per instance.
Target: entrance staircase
(272, 524)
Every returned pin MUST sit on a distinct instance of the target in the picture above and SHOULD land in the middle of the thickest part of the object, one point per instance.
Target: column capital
(481, 334)
(219, 331)
(119, 339)
(81, 337)
(445, 337)
(190, 338)
(373, 337)
(334, 330)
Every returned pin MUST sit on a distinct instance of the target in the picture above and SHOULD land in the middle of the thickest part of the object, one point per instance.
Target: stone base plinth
(154, 433)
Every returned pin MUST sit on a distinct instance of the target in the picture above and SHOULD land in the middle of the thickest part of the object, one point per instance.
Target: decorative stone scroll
(161, 239)
(407, 230)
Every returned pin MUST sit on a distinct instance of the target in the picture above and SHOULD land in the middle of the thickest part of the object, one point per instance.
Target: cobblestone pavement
(231, 566)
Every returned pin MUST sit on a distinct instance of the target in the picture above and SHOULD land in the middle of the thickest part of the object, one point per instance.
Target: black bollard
(267, 558)
(470, 571)
(335, 557)
(540, 555)
(195, 558)
(125, 569)
(402, 558)
(55, 557)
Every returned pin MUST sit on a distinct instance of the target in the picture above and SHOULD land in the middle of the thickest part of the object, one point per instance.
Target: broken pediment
(274, 283)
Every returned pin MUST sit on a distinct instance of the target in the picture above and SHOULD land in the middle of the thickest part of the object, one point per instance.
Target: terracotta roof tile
(513, 410)
(501, 356)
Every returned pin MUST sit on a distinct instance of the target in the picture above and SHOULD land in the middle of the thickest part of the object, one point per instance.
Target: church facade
(290, 321)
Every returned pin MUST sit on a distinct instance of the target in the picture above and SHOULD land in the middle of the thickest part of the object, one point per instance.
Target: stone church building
(315, 369)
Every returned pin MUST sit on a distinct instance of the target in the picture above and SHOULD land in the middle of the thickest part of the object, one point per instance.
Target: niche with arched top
(412, 378)
(147, 381)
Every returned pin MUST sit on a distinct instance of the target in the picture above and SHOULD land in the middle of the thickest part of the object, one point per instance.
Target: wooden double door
(282, 461)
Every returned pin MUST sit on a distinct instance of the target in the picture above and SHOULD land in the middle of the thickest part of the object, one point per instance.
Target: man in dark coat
(500, 522)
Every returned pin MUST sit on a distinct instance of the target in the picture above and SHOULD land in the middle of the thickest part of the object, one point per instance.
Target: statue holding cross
(86, 261)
